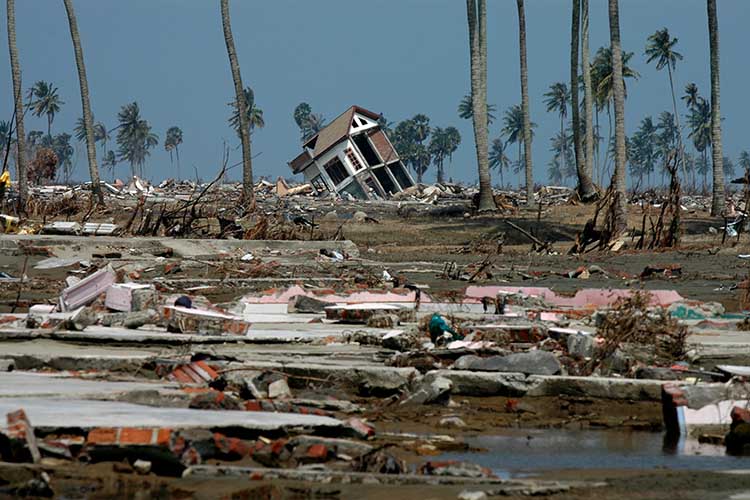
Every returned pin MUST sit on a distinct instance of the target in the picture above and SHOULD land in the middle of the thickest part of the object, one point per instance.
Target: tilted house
(353, 155)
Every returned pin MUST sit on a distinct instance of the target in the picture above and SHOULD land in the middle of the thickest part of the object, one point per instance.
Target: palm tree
(602, 85)
(561, 165)
(248, 192)
(134, 137)
(109, 161)
(587, 190)
(717, 201)
(602, 70)
(254, 113)
(744, 160)
(88, 118)
(465, 110)
(476, 14)
(699, 121)
(5, 134)
(557, 99)
(661, 49)
(15, 66)
(172, 141)
(691, 97)
(513, 130)
(620, 222)
(525, 104)
(645, 151)
(46, 102)
(498, 158)
(443, 144)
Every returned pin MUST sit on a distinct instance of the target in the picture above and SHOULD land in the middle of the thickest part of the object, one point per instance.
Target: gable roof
(337, 130)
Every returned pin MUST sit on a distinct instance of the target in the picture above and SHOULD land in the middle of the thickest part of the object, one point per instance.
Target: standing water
(524, 452)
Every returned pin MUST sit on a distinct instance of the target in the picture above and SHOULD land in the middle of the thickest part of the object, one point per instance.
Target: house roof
(300, 162)
(337, 130)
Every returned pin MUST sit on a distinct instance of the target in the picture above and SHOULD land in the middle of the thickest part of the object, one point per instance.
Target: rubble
(308, 357)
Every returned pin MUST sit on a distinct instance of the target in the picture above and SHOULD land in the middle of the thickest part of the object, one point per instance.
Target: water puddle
(526, 452)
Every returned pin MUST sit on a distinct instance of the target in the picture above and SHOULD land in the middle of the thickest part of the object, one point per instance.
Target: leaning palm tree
(15, 67)
(717, 200)
(586, 188)
(525, 104)
(248, 192)
(557, 99)
(476, 14)
(172, 142)
(619, 222)
(88, 118)
(465, 110)
(660, 48)
(46, 101)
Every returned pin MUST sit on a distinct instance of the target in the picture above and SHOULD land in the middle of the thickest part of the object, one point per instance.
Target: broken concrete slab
(203, 321)
(596, 387)
(45, 413)
(17, 384)
(303, 304)
(358, 313)
(434, 389)
(468, 383)
(530, 363)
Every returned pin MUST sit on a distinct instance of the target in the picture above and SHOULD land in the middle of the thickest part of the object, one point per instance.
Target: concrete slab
(41, 385)
(49, 413)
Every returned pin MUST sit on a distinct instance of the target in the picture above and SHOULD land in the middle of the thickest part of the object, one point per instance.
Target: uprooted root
(631, 321)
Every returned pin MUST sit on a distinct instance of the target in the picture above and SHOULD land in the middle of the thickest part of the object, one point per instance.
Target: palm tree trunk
(525, 104)
(477, 20)
(717, 201)
(15, 65)
(588, 99)
(177, 153)
(88, 120)
(564, 144)
(248, 192)
(618, 89)
(680, 148)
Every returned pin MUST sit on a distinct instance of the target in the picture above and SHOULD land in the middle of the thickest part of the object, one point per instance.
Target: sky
(396, 57)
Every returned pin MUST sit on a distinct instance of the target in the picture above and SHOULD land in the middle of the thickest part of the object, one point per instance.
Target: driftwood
(541, 245)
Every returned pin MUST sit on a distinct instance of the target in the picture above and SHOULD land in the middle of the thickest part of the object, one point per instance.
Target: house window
(319, 184)
(336, 171)
(385, 180)
(364, 147)
(355, 189)
(353, 160)
(372, 188)
(398, 171)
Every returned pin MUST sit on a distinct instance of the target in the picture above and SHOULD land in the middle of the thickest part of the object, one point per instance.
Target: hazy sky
(398, 57)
